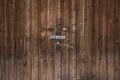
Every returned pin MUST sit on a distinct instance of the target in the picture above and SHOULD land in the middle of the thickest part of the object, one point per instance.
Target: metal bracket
(57, 37)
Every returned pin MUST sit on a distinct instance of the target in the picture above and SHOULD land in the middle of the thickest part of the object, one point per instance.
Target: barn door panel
(59, 40)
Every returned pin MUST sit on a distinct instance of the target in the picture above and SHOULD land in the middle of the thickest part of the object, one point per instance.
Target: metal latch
(57, 37)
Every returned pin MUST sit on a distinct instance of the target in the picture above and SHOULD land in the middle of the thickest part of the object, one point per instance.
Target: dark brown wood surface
(90, 51)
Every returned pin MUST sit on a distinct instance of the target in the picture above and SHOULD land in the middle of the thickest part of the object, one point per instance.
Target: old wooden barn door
(59, 39)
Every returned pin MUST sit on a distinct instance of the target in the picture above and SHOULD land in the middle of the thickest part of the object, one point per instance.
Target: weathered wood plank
(22, 51)
(88, 37)
(117, 41)
(34, 42)
(1, 39)
(39, 41)
(0, 19)
(43, 47)
(2, 24)
(11, 24)
(50, 30)
(5, 61)
(103, 56)
(65, 45)
(26, 29)
(96, 40)
(103, 34)
(111, 39)
(57, 54)
(80, 42)
(72, 40)
(15, 42)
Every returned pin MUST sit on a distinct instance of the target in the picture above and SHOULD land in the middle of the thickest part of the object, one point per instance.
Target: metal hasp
(57, 37)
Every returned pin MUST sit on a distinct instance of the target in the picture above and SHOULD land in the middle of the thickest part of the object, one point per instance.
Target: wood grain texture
(58, 31)
(90, 50)
(11, 20)
(0, 16)
(0, 39)
(50, 31)
(117, 41)
(103, 40)
(111, 39)
(27, 42)
(65, 46)
(20, 26)
(80, 39)
(5, 42)
(72, 39)
(43, 41)
(96, 40)
(88, 39)
(34, 37)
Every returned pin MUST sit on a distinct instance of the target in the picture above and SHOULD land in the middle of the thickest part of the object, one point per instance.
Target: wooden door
(89, 50)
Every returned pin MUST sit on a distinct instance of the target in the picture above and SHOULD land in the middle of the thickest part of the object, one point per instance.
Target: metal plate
(57, 37)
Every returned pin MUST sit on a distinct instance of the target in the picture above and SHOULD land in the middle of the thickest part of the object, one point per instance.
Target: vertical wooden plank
(22, 50)
(42, 55)
(57, 54)
(72, 39)
(50, 30)
(111, 39)
(65, 46)
(0, 18)
(80, 39)
(87, 36)
(117, 41)
(95, 40)
(0, 39)
(34, 36)
(5, 43)
(11, 21)
(15, 43)
(39, 40)
(5, 62)
(26, 40)
(103, 34)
